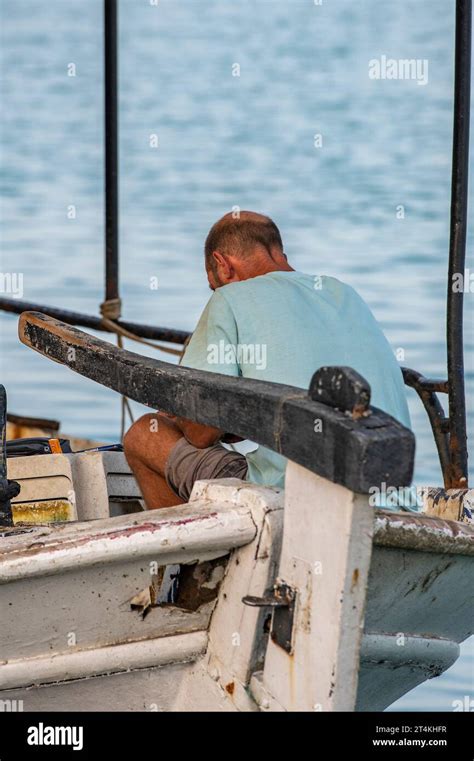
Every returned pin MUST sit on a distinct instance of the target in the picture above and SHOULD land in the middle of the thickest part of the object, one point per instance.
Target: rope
(125, 403)
(110, 307)
(120, 331)
(110, 311)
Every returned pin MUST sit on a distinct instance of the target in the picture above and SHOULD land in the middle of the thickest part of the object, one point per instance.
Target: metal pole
(457, 245)
(111, 161)
(15, 306)
(6, 518)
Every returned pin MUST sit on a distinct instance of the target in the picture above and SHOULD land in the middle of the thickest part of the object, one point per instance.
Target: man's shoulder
(264, 287)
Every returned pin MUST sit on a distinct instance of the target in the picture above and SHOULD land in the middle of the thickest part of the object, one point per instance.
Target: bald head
(243, 245)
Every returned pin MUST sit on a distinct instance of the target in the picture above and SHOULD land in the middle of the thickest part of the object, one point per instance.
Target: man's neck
(267, 268)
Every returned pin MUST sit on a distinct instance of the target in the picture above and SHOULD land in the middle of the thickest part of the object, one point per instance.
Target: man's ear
(278, 256)
(223, 266)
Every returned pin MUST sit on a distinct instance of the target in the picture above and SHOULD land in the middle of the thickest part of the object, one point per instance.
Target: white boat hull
(383, 601)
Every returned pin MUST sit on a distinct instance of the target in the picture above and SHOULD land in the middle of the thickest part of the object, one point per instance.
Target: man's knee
(135, 440)
(151, 435)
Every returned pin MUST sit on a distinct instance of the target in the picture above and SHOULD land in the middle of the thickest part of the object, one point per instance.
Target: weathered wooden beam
(184, 534)
(325, 560)
(358, 453)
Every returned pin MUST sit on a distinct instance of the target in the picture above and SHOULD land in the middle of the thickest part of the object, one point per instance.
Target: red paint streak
(59, 543)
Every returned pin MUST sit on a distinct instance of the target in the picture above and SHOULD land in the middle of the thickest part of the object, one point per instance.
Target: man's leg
(147, 446)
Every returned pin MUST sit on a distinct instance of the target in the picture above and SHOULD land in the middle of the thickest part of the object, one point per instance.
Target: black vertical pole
(5, 507)
(457, 245)
(111, 160)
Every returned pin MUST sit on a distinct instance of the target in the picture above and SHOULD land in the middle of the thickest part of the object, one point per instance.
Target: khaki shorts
(187, 464)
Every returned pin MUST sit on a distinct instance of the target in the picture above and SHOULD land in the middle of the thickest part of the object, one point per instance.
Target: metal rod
(16, 306)
(111, 153)
(6, 518)
(457, 245)
(426, 390)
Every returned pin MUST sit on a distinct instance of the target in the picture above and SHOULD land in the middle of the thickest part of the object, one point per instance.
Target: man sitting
(264, 321)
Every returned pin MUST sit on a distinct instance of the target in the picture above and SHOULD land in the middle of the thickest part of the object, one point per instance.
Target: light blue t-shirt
(282, 327)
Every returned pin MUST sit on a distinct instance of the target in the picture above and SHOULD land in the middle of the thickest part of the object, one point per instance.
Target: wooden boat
(246, 598)
(307, 599)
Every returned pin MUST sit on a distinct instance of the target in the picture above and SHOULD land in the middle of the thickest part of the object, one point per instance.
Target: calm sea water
(225, 141)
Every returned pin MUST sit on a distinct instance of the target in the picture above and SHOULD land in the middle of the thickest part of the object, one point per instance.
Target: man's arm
(199, 435)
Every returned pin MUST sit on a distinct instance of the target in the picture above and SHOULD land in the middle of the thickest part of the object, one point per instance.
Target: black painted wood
(358, 453)
(342, 388)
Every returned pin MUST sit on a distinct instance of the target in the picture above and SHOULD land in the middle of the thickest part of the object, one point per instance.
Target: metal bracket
(282, 603)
